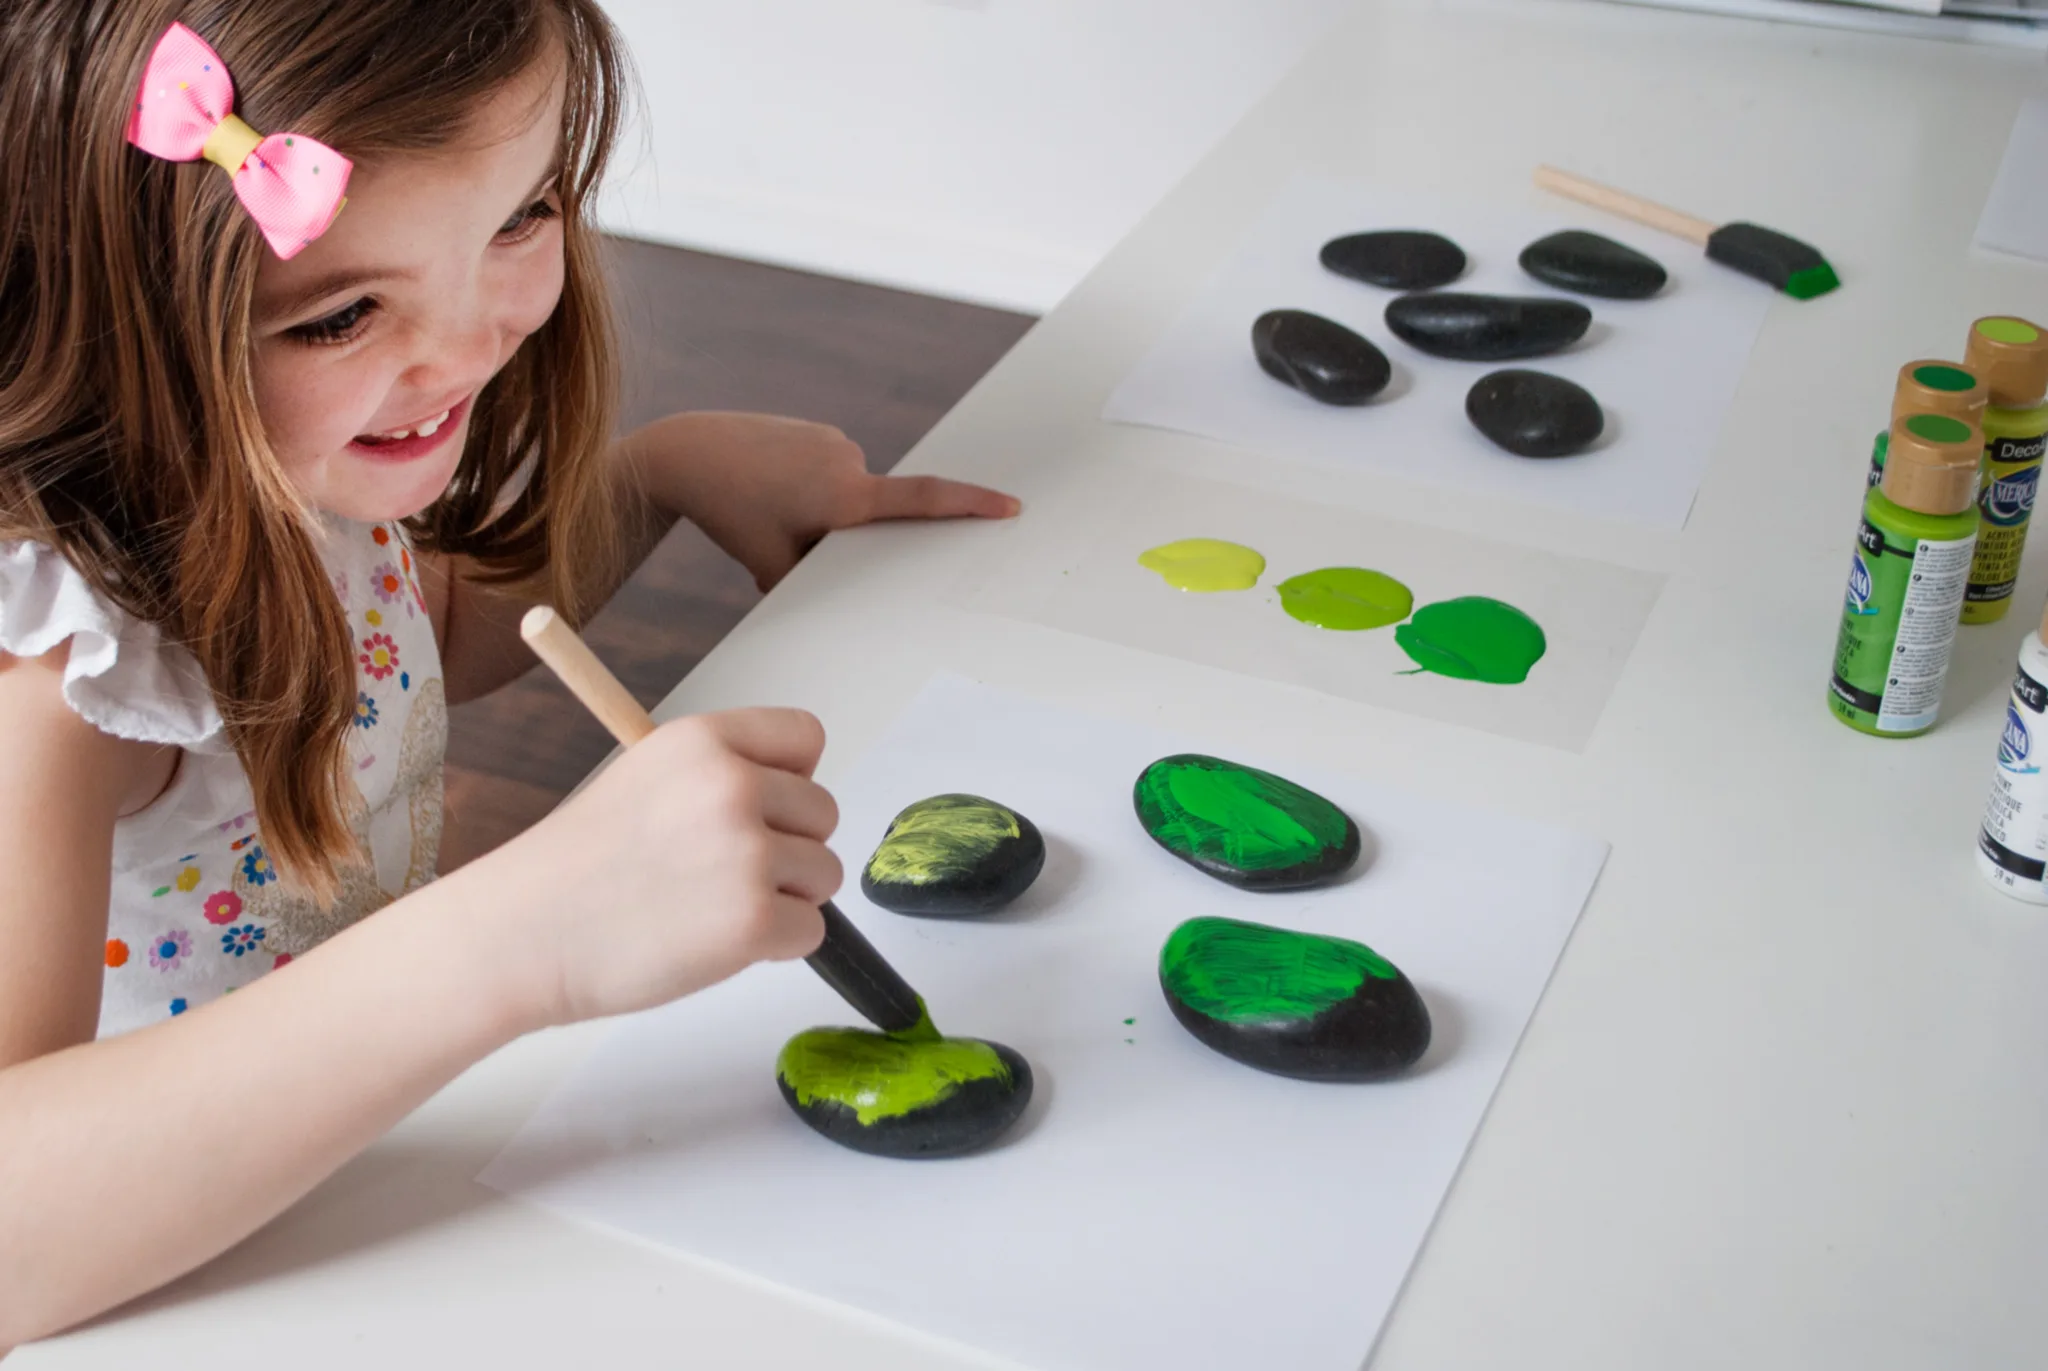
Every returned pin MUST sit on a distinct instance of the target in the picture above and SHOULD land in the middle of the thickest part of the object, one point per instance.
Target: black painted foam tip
(1774, 258)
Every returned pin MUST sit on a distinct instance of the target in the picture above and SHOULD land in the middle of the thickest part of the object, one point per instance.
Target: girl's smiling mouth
(415, 440)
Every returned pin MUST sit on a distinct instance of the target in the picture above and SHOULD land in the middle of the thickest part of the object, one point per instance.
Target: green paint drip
(1242, 972)
(883, 1076)
(1205, 564)
(1346, 597)
(1804, 285)
(1252, 819)
(1473, 639)
(944, 838)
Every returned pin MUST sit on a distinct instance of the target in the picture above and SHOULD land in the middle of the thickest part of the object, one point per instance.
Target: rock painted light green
(1251, 819)
(1473, 639)
(944, 838)
(881, 1075)
(1348, 598)
(1205, 564)
(1240, 972)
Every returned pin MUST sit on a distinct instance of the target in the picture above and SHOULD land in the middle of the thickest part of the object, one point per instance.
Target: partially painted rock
(1246, 827)
(1295, 1004)
(899, 1095)
(1398, 259)
(954, 856)
(1486, 328)
(1319, 357)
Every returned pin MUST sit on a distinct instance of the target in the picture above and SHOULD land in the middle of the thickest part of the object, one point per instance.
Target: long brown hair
(129, 434)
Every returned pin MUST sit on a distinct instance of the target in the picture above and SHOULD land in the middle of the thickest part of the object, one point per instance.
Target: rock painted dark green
(1246, 827)
(1473, 639)
(1397, 259)
(1319, 357)
(1593, 264)
(1486, 328)
(953, 856)
(1535, 414)
(1295, 1004)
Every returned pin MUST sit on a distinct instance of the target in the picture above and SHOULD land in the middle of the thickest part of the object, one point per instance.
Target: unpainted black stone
(1486, 328)
(1535, 414)
(1398, 259)
(1593, 265)
(1319, 357)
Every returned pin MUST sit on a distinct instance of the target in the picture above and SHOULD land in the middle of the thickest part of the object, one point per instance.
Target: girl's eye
(339, 327)
(527, 222)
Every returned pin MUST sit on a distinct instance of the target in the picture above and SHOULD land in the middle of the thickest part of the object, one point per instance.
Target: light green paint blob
(1205, 564)
(1241, 972)
(944, 838)
(1473, 639)
(880, 1075)
(1938, 428)
(1952, 379)
(2008, 330)
(1346, 597)
(1252, 819)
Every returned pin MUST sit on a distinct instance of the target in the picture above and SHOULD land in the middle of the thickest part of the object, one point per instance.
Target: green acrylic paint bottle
(1906, 579)
(2012, 357)
(1930, 387)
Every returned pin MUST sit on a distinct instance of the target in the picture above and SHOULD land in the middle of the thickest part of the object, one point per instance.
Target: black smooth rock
(1486, 328)
(954, 856)
(1295, 1004)
(1319, 357)
(1399, 259)
(975, 1114)
(1593, 265)
(1535, 414)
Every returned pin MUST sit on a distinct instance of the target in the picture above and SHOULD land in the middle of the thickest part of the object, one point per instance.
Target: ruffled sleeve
(121, 677)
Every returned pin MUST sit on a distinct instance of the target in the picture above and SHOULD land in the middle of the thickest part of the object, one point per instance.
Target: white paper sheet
(1664, 370)
(2016, 212)
(1090, 583)
(1161, 1206)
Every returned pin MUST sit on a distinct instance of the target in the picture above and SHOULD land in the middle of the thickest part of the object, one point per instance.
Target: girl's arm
(126, 1162)
(764, 488)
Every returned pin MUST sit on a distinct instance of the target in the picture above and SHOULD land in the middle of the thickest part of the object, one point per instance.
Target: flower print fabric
(197, 906)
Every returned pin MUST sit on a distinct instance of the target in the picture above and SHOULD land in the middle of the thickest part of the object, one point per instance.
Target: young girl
(305, 393)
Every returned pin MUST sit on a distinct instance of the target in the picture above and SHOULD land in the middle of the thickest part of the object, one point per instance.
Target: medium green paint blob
(1939, 428)
(2008, 330)
(1346, 597)
(1953, 379)
(1252, 819)
(1473, 639)
(1240, 972)
(944, 838)
(1205, 564)
(883, 1075)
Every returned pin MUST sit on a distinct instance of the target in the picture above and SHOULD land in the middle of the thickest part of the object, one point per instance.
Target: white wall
(988, 150)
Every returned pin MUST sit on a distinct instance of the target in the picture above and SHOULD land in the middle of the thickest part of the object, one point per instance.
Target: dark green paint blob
(1348, 598)
(1473, 639)
(1248, 827)
(1938, 428)
(1295, 1004)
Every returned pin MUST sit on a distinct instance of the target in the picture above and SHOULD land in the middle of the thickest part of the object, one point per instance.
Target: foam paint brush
(1777, 259)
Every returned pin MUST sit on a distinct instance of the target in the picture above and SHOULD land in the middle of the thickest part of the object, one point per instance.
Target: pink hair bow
(292, 186)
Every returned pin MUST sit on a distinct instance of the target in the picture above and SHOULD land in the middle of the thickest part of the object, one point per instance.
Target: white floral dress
(197, 908)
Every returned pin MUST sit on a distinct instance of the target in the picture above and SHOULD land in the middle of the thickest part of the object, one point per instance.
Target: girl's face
(371, 344)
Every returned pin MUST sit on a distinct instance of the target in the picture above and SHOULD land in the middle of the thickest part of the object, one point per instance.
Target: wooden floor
(704, 332)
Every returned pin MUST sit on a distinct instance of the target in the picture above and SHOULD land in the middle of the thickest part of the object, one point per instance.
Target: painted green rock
(952, 856)
(1246, 827)
(1295, 1004)
(1473, 639)
(903, 1095)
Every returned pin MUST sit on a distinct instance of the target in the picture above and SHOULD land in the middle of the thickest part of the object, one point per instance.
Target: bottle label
(1899, 621)
(2005, 502)
(2011, 837)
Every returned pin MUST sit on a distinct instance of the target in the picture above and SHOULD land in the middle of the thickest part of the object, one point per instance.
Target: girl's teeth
(431, 427)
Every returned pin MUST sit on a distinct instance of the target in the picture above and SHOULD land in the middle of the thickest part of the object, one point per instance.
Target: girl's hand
(767, 488)
(699, 851)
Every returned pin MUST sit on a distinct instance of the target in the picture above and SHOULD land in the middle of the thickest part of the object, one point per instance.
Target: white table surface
(1786, 1102)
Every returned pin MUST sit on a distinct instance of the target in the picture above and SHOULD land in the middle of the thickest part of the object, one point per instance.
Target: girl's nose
(461, 355)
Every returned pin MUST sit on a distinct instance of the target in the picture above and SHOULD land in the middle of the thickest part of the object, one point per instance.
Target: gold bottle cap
(2011, 356)
(1932, 464)
(1931, 387)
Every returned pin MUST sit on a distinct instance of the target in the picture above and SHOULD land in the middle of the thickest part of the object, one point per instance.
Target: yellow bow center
(230, 144)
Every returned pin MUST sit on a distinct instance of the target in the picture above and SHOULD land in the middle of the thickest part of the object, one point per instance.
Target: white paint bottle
(2012, 844)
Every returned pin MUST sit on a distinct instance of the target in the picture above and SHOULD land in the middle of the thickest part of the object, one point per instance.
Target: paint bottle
(2012, 844)
(1931, 387)
(1906, 579)
(2012, 357)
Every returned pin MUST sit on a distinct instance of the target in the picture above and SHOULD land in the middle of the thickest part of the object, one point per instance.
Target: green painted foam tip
(1806, 284)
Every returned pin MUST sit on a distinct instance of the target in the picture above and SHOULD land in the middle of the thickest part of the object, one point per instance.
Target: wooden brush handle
(1627, 206)
(570, 658)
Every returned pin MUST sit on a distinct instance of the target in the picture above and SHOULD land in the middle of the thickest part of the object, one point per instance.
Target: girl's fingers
(796, 805)
(935, 497)
(803, 868)
(796, 929)
(786, 739)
